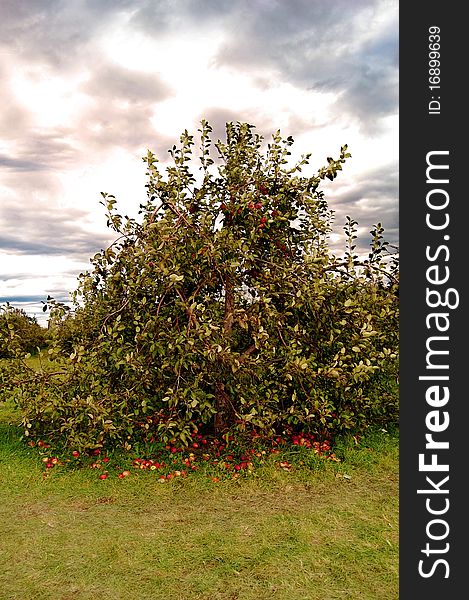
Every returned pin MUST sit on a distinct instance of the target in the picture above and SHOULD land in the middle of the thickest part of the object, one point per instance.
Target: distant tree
(222, 307)
(19, 332)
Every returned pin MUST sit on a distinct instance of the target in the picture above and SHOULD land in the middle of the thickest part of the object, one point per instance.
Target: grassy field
(328, 533)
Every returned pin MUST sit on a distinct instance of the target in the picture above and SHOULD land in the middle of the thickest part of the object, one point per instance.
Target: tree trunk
(224, 412)
(229, 305)
(224, 409)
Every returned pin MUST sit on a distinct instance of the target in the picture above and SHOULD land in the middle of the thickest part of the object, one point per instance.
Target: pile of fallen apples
(229, 458)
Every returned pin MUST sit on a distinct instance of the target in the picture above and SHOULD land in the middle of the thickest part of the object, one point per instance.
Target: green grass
(328, 533)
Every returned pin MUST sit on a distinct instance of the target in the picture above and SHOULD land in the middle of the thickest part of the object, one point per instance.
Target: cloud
(113, 82)
(20, 298)
(346, 48)
(218, 117)
(121, 107)
(41, 151)
(81, 246)
(77, 109)
(349, 49)
(37, 230)
(56, 33)
(113, 125)
(166, 16)
(15, 164)
(369, 198)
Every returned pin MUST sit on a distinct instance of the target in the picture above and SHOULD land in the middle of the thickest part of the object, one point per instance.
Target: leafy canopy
(222, 307)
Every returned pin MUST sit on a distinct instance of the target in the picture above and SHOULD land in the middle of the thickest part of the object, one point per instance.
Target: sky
(88, 86)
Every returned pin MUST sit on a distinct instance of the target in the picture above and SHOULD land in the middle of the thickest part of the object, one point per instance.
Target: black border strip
(433, 232)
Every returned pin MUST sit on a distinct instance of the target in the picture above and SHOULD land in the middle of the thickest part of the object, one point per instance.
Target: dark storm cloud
(372, 91)
(316, 45)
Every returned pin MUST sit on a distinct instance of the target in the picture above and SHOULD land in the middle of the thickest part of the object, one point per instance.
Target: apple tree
(19, 332)
(221, 307)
